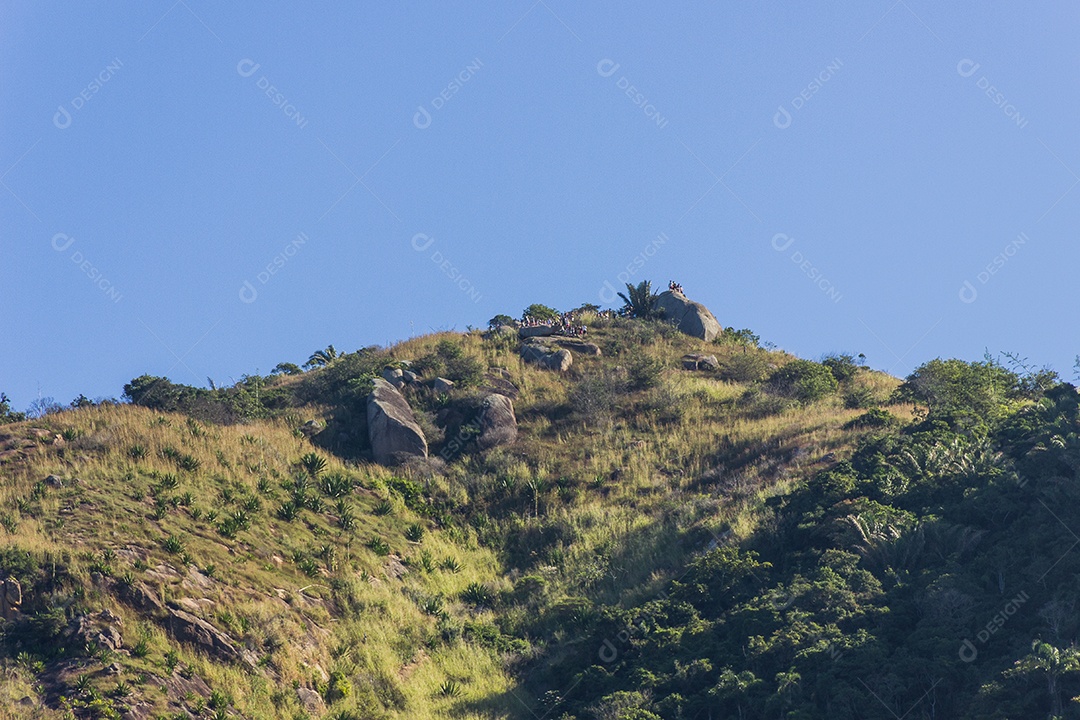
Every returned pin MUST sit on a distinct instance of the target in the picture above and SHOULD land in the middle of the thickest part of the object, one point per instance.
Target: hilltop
(581, 515)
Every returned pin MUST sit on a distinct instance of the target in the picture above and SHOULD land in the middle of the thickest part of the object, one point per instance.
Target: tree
(286, 368)
(639, 300)
(972, 393)
(6, 413)
(500, 319)
(1054, 662)
(536, 311)
(322, 358)
(82, 402)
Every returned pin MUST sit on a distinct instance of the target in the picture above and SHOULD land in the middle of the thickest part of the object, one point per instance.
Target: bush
(745, 367)
(876, 418)
(744, 338)
(451, 361)
(645, 372)
(804, 380)
(842, 367)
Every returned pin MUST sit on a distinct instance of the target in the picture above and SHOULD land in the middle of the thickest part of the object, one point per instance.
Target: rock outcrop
(536, 331)
(580, 346)
(690, 317)
(498, 424)
(392, 427)
(99, 630)
(442, 385)
(700, 362)
(498, 380)
(546, 357)
(188, 628)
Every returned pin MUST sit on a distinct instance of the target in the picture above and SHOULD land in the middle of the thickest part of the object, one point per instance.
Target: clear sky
(892, 178)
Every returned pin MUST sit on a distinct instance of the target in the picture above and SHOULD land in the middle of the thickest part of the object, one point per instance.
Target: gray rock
(392, 428)
(498, 424)
(700, 362)
(99, 629)
(141, 597)
(311, 700)
(409, 376)
(311, 428)
(536, 331)
(185, 627)
(54, 481)
(580, 346)
(547, 358)
(442, 385)
(690, 317)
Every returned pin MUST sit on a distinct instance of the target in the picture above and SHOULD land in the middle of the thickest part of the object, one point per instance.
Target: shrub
(876, 418)
(378, 546)
(842, 367)
(745, 367)
(803, 380)
(645, 372)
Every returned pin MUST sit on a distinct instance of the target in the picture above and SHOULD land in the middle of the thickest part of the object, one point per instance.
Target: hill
(677, 528)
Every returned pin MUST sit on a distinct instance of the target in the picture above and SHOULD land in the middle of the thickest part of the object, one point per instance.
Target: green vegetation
(638, 300)
(775, 538)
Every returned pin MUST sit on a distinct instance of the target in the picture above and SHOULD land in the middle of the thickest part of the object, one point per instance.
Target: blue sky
(892, 178)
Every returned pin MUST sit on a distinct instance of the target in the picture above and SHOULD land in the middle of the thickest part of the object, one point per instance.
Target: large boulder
(498, 380)
(700, 362)
(498, 425)
(392, 428)
(546, 357)
(536, 331)
(690, 317)
(580, 346)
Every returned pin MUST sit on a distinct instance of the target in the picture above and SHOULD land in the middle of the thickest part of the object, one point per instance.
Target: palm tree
(638, 302)
(322, 358)
(1052, 661)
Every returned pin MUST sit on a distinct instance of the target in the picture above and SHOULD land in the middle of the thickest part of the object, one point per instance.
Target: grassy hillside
(774, 537)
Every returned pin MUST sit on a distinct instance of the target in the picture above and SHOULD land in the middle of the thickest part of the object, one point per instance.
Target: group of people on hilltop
(565, 324)
(675, 287)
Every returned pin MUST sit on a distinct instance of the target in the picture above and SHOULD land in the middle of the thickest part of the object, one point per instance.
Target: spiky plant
(638, 300)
